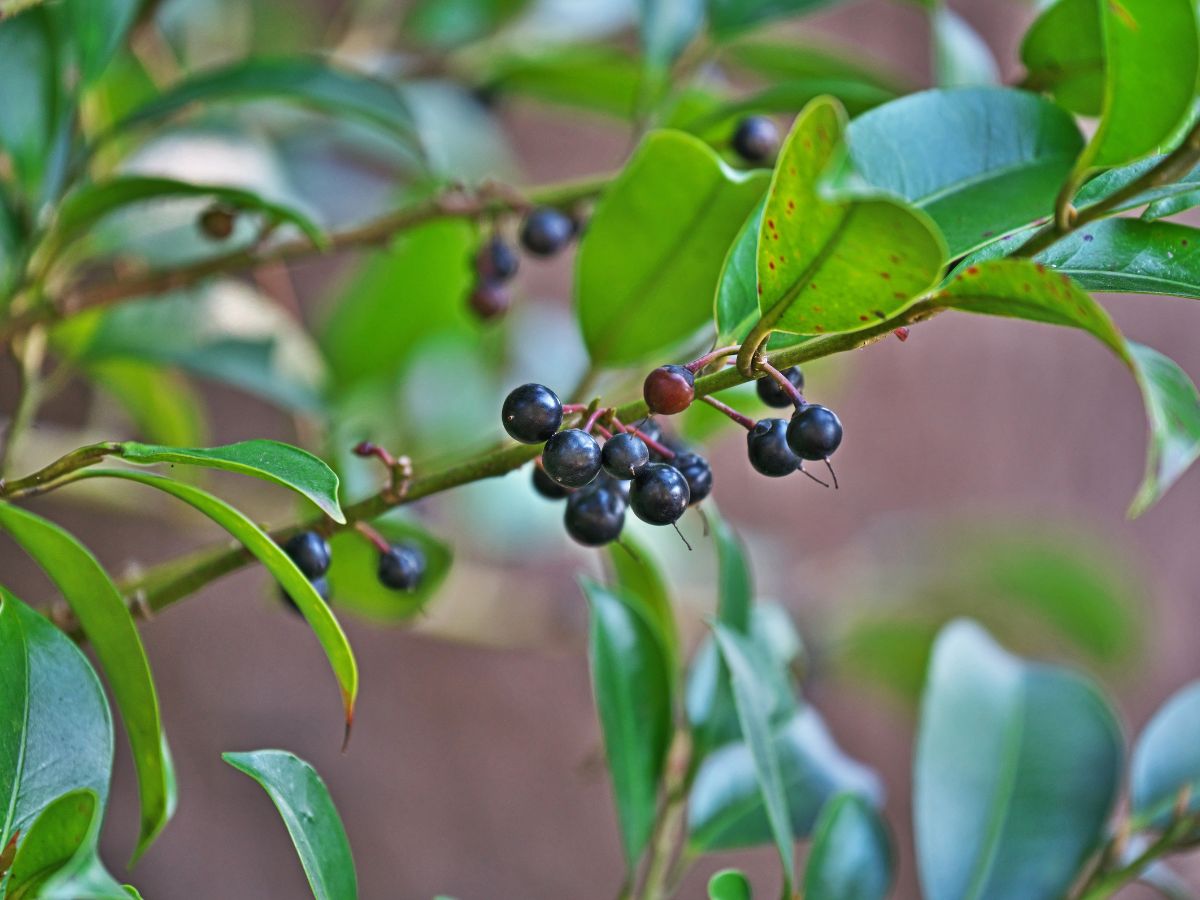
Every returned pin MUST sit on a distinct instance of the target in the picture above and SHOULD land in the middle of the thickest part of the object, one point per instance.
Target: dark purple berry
(659, 494)
(698, 474)
(571, 457)
(756, 139)
(496, 260)
(669, 390)
(310, 552)
(490, 300)
(320, 585)
(531, 413)
(595, 515)
(767, 444)
(547, 486)
(624, 455)
(216, 222)
(815, 432)
(771, 392)
(401, 567)
(546, 231)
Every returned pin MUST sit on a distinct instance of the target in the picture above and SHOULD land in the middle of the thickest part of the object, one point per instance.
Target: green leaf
(851, 856)
(311, 82)
(729, 884)
(355, 586)
(311, 818)
(788, 61)
(272, 461)
(85, 206)
(1152, 61)
(447, 23)
(828, 267)
(735, 582)
(56, 733)
(1130, 256)
(632, 685)
(1064, 53)
(94, 30)
(752, 697)
(980, 162)
(728, 17)
(1173, 408)
(58, 859)
(1017, 768)
(598, 79)
(641, 585)
(106, 621)
(1172, 205)
(29, 73)
(649, 260)
(1166, 760)
(961, 57)
(1162, 196)
(667, 26)
(325, 627)
(725, 807)
(162, 404)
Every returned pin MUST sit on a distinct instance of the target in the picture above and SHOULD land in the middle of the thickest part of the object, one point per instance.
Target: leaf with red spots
(1021, 289)
(820, 261)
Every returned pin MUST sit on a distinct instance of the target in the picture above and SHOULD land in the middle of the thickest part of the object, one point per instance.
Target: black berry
(815, 432)
(659, 494)
(310, 552)
(698, 474)
(771, 392)
(595, 515)
(546, 231)
(490, 300)
(767, 444)
(217, 221)
(624, 455)
(669, 390)
(571, 457)
(531, 413)
(756, 139)
(496, 260)
(320, 585)
(401, 567)
(547, 486)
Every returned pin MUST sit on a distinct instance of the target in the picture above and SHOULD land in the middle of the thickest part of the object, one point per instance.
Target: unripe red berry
(669, 390)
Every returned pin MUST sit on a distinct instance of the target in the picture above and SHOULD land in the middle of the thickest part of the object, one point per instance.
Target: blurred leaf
(667, 26)
(1166, 760)
(851, 856)
(961, 57)
(56, 733)
(600, 79)
(631, 682)
(1064, 53)
(1017, 769)
(1130, 256)
(311, 818)
(272, 461)
(109, 627)
(94, 29)
(354, 583)
(728, 17)
(162, 404)
(836, 266)
(325, 627)
(779, 61)
(735, 582)
(641, 585)
(650, 257)
(413, 290)
(980, 161)
(729, 884)
(891, 652)
(29, 113)
(446, 23)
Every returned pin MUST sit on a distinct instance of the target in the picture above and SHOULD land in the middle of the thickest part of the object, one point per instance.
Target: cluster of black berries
(632, 469)
(401, 566)
(544, 232)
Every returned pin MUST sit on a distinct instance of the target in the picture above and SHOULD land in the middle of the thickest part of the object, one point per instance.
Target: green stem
(47, 479)
(28, 355)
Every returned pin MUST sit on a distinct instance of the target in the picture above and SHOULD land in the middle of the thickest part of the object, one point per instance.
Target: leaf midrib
(989, 175)
(11, 812)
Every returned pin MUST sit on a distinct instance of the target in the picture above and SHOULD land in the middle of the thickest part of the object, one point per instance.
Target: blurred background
(986, 470)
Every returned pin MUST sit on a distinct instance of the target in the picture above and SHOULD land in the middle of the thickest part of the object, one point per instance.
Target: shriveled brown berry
(490, 300)
(669, 390)
(217, 221)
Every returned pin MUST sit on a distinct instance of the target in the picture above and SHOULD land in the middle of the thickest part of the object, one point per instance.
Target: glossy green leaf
(56, 733)
(325, 627)
(1017, 768)
(311, 818)
(164, 407)
(1172, 205)
(980, 162)
(272, 461)
(851, 856)
(354, 583)
(109, 627)
(961, 57)
(641, 584)
(650, 257)
(728, 17)
(447, 23)
(58, 858)
(1163, 196)
(90, 203)
(833, 266)
(1064, 54)
(1130, 256)
(729, 884)
(1152, 61)
(1166, 760)
(310, 82)
(752, 697)
(632, 685)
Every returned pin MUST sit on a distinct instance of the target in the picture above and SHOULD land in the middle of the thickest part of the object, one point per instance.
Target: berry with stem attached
(547, 486)
(815, 432)
(669, 389)
(772, 393)
(531, 413)
(310, 552)
(624, 455)
(698, 474)
(546, 231)
(401, 567)
(767, 446)
(756, 139)
(659, 494)
(496, 260)
(571, 457)
(595, 515)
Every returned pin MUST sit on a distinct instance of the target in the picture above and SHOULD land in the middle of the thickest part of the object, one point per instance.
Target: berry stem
(595, 417)
(745, 421)
(662, 450)
(366, 450)
(380, 542)
(569, 408)
(785, 383)
(712, 356)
